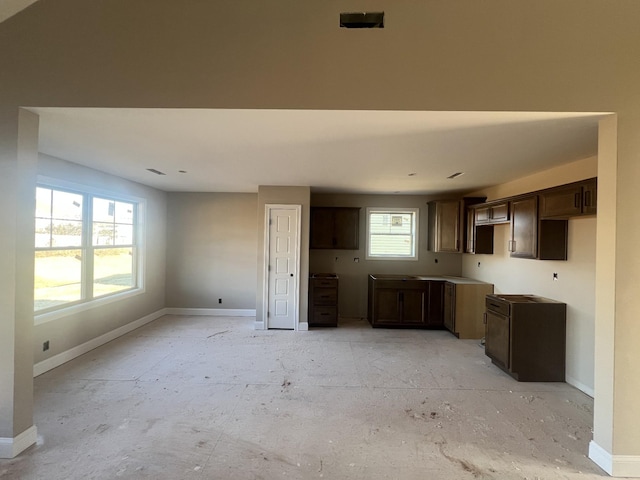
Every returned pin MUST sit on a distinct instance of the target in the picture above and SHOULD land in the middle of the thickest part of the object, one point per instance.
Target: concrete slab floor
(211, 398)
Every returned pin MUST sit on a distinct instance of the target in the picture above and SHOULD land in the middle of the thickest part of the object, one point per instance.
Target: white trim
(212, 312)
(57, 360)
(303, 327)
(614, 465)
(580, 386)
(12, 447)
(258, 326)
(265, 283)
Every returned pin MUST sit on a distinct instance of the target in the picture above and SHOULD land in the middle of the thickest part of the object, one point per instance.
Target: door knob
(291, 274)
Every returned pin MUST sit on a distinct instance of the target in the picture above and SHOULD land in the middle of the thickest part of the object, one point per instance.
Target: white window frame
(88, 193)
(416, 238)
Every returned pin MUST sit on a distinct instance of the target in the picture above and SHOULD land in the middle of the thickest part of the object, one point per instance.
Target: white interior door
(283, 266)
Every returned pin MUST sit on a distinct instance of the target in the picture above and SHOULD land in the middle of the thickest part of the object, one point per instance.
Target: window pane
(66, 233)
(388, 245)
(103, 210)
(124, 212)
(392, 234)
(124, 234)
(112, 270)
(43, 233)
(103, 234)
(67, 206)
(43, 202)
(57, 278)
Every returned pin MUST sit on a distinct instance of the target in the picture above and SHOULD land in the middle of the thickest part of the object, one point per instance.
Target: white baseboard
(12, 447)
(212, 312)
(580, 386)
(258, 325)
(57, 360)
(303, 326)
(615, 465)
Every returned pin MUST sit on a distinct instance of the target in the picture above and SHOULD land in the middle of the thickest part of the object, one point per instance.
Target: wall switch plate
(45, 346)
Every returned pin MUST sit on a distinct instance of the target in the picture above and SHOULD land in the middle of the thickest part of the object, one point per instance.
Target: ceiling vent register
(362, 20)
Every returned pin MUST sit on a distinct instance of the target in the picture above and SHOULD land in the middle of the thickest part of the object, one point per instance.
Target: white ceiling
(331, 151)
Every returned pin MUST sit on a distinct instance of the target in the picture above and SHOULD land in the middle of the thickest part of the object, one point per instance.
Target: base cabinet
(405, 302)
(323, 300)
(464, 305)
(526, 337)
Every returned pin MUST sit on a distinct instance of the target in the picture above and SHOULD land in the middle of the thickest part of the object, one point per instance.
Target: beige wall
(352, 275)
(212, 250)
(72, 330)
(575, 55)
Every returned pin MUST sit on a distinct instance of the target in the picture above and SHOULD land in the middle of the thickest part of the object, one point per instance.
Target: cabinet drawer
(497, 306)
(325, 296)
(324, 315)
(324, 282)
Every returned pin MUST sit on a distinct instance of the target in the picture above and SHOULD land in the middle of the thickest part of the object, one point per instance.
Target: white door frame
(265, 282)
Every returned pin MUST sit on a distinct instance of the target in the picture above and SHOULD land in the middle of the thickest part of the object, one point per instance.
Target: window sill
(41, 318)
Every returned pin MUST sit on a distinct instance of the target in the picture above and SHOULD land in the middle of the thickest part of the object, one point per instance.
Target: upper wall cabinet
(491, 213)
(335, 228)
(531, 237)
(570, 200)
(444, 226)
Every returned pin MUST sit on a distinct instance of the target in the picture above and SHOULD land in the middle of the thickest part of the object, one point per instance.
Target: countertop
(443, 278)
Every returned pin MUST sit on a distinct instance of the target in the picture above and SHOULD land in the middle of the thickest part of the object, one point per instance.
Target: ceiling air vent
(157, 172)
(362, 20)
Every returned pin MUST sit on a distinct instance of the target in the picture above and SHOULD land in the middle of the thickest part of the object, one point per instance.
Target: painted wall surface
(576, 276)
(268, 195)
(211, 250)
(496, 55)
(353, 275)
(70, 331)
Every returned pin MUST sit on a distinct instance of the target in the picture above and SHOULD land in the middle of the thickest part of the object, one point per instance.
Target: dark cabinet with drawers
(323, 300)
(526, 336)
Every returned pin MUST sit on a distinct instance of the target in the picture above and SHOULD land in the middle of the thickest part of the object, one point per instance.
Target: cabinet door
(561, 202)
(387, 306)
(449, 307)
(482, 215)
(321, 234)
(447, 227)
(435, 304)
(497, 339)
(412, 304)
(524, 227)
(346, 228)
(470, 245)
(500, 212)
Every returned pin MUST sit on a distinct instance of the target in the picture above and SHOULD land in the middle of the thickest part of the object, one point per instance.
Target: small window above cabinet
(574, 199)
(335, 228)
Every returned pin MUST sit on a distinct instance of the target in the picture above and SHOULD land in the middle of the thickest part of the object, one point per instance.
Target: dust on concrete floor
(192, 397)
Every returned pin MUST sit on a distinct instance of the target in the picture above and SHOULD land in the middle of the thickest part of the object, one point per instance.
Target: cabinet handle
(587, 198)
(512, 246)
(484, 318)
(576, 200)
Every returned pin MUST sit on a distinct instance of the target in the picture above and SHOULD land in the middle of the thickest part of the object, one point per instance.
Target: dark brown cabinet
(323, 300)
(570, 200)
(479, 238)
(491, 213)
(526, 336)
(399, 301)
(444, 226)
(524, 227)
(335, 228)
(543, 239)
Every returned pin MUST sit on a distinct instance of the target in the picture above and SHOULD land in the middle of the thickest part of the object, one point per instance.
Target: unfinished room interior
(333, 239)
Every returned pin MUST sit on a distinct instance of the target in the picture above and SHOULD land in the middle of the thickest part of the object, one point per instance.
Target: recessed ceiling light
(455, 175)
(157, 172)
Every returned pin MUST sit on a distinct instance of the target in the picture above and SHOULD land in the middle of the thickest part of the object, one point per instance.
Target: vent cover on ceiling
(362, 20)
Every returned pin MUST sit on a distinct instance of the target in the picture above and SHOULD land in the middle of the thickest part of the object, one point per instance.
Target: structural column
(616, 438)
(18, 165)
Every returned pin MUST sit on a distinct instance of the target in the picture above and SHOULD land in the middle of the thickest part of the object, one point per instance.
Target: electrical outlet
(436, 260)
(478, 264)
(219, 300)
(555, 276)
(45, 346)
